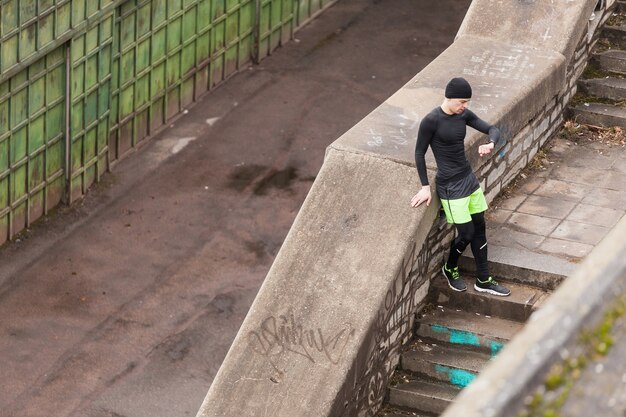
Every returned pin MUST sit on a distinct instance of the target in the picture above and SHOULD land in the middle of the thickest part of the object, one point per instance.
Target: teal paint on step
(439, 329)
(495, 348)
(464, 338)
(459, 337)
(458, 377)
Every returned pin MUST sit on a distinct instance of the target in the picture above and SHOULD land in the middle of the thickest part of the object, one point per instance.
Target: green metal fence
(82, 82)
(32, 140)
(308, 9)
(279, 19)
(277, 23)
(33, 28)
(168, 53)
(90, 96)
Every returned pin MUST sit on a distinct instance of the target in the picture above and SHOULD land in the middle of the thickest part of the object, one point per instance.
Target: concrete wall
(323, 336)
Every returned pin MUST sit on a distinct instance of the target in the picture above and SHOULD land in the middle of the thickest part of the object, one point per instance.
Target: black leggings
(471, 233)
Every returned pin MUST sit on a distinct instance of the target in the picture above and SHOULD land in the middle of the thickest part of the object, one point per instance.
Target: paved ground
(567, 204)
(563, 208)
(125, 305)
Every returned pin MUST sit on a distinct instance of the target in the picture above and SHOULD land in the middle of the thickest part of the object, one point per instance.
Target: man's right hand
(422, 196)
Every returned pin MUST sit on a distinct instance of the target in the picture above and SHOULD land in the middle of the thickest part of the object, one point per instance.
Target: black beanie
(458, 88)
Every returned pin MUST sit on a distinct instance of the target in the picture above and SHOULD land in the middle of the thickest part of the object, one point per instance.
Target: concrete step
(466, 330)
(391, 414)
(458, 367)
(616, 35)
(421, 396)
(400, 413)
(598, 114)
(611, 88)
(518, 306)
(613, 60)
(522, 267)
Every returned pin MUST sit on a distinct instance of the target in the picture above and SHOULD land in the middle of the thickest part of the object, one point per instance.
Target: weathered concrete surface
(530, 23)
(599, 114)
(429, 397)
(126, 304)
(489, 331)
(518, 264)
(613, 88)
(615, 34)
(304, 329)
(612, 60)
(578, 304)
(601, 389)
(518, 306)
(423, 358)
(554, 218)
(510, 83)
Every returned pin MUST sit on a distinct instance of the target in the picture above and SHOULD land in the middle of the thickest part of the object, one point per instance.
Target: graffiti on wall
(393, 327)
(283, 334)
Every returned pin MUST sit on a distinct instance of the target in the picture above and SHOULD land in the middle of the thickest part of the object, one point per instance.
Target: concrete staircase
(601, 98)
(457, 335)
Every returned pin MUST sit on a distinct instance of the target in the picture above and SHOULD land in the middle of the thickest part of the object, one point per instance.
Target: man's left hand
(485, 149)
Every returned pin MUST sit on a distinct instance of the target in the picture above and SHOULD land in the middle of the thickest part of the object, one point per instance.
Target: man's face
(458, 105)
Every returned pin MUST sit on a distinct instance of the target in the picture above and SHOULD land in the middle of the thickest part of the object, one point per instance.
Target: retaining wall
(84, 82)
(323, 335)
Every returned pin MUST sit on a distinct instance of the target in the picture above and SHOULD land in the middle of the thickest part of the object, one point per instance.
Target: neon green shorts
(460, 210)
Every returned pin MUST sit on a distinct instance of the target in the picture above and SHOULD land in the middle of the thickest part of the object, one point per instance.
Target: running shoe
(452, 276)
(491, 286)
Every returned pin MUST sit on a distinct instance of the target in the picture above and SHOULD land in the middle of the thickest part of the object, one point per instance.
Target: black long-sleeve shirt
(445, 134)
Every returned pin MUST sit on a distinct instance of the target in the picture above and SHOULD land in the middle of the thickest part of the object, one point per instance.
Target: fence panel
(33, 28)
(308, 9)
(276, 25)
(166, 55)
(32, 143)
(91, 80)
(27, 26)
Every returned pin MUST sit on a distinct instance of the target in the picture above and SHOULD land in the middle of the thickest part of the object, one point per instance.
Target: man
(463, 201)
